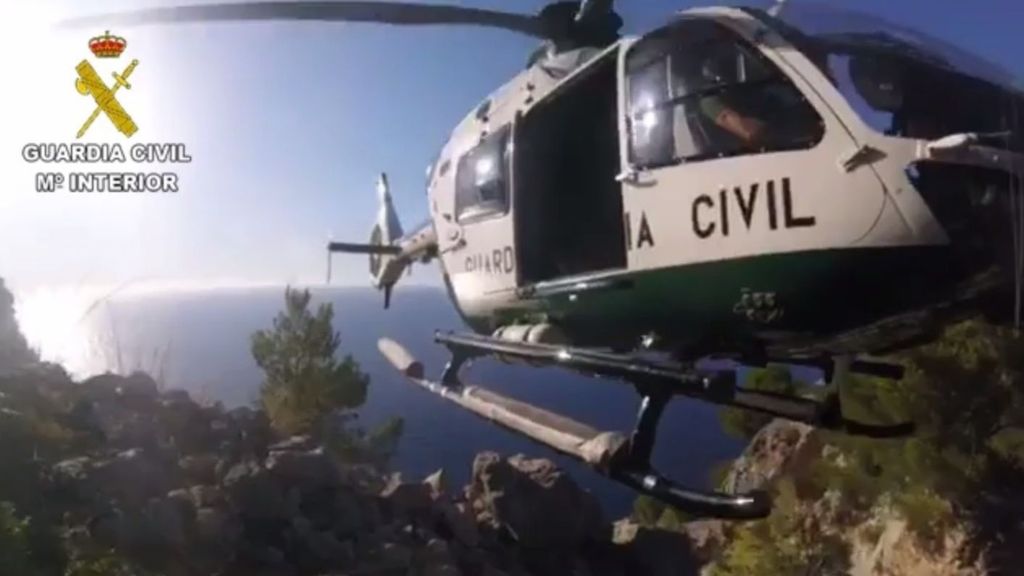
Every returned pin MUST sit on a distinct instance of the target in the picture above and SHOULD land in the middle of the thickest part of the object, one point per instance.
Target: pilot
(753, 104)
(730, 109)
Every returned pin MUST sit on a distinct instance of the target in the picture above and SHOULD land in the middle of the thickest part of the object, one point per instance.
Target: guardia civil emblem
(89, 83)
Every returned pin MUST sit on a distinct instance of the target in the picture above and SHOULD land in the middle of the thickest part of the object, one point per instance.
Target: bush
(647, 510)
(928, 516)
(784, 543)
(15, 547)
(304, 382)
(104, 564)
(307, 390)
(965, 394)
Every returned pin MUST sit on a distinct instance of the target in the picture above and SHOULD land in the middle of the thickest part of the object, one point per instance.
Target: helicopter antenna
(777, 8)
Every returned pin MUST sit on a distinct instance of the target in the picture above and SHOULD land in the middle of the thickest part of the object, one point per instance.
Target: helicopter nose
(976, 207)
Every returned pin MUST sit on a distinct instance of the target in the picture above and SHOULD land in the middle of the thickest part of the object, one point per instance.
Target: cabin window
(481, 180)
(698, 91)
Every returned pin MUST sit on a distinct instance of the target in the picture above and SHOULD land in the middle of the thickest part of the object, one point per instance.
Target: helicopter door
(729, 153)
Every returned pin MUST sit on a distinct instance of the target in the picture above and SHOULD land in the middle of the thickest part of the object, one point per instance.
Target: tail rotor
(390, 251)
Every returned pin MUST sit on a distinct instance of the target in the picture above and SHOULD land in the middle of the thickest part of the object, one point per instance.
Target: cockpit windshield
(842, 26)
(904, 83)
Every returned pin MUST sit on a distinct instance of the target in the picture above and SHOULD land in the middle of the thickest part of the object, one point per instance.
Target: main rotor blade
(401, 13)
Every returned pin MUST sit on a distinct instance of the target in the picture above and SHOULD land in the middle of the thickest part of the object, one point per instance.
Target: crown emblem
(107, 46)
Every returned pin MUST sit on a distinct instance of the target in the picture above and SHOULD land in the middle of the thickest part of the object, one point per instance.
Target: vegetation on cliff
(960, 469)
(308, 390)
(114, 476)
(77, 457)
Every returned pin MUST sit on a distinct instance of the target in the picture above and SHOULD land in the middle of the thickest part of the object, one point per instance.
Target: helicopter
(738, 184)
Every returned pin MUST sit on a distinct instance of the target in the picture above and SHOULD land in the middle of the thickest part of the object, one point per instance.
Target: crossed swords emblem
(89, 83)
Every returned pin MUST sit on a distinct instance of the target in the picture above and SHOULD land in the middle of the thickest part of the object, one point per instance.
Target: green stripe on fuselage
(729, 301)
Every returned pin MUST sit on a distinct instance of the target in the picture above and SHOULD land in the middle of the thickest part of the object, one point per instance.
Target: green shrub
(105, 563)
(647, 510)
(783, 543)
(928, 516)
(303, 380)
(15, 546)
(307, 390)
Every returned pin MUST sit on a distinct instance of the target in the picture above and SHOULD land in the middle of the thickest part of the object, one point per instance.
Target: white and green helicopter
(795, 185)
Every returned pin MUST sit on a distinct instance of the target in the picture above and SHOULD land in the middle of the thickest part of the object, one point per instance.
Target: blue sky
(288, 125)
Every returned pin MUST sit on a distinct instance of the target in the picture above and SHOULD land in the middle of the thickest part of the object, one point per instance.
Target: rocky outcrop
(876, 543)
(884, 545)
(183, 489)
(14, 351)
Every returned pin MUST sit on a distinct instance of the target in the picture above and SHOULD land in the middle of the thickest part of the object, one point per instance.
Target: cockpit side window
(481, 180)
(697, 91)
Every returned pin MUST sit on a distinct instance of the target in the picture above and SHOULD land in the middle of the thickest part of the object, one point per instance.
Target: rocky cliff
(122, 476)
(816, 534)
(113, 476)
(14, 352)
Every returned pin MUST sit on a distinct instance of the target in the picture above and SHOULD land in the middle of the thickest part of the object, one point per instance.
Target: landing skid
(625, 459)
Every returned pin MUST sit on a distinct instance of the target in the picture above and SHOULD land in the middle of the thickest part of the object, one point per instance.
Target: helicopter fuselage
(611, 200)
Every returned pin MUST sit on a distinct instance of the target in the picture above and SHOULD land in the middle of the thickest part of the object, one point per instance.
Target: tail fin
(385, 232)
(389, 249)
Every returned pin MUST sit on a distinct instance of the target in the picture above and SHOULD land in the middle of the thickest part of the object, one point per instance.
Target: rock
(435, 559)
(170, 521)
(170, 397)
(885, 545)
(133, 477)
(407, 498)
(101, 386)
(394, 555)
(105, 528)
(540, 505)
(437, 484)
(180, 495)
(317, 551)
(185, 423)
(707, 537)
(207, 496)
(162, 527)
(457, 520)
(294, 444)
(348, 516)
(781, 445)
(256, 559)
(309, 469)
(216, 528)
(14, 350)
(655, 552)
(248, 434)
(199, 468)
(139, 385)
(363, 477)
(442, 570)
(253, 493)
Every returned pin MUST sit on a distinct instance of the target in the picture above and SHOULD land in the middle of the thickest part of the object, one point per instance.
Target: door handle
(637, 178)
(458, 245)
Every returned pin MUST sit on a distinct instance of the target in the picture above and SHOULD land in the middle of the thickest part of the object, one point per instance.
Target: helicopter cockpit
(903, 83)
(698, 91)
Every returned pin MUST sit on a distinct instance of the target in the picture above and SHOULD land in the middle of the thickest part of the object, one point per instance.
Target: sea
(199, 341)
